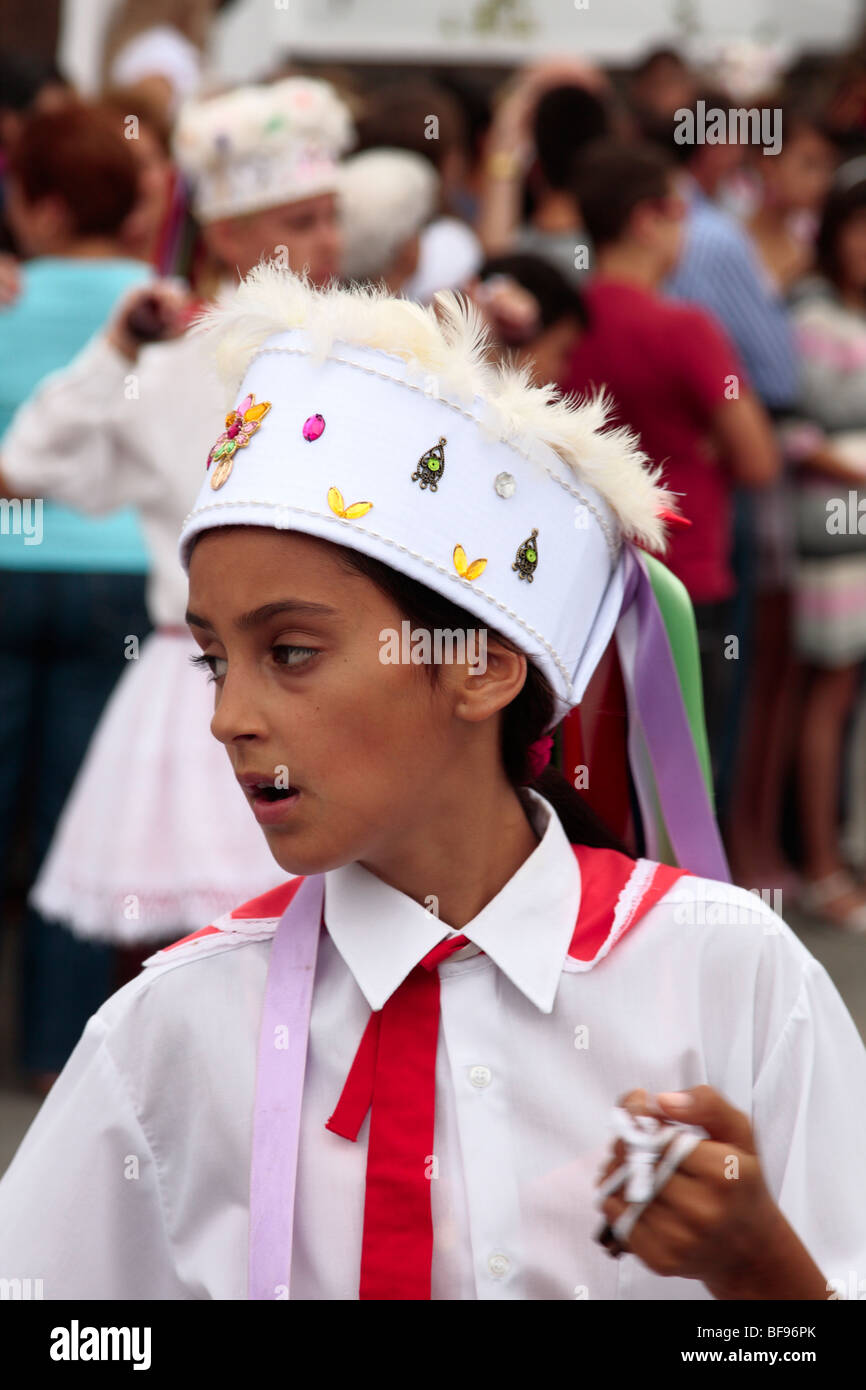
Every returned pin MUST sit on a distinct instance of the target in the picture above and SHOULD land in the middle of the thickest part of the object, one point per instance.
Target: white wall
(254, 34)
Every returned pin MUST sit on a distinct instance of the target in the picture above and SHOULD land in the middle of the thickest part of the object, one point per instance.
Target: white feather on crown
(449, 343)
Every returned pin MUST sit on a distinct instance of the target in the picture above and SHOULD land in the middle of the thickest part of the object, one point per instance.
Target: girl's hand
(715, 1219)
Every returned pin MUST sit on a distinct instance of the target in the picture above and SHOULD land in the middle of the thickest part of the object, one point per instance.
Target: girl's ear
(492, 676)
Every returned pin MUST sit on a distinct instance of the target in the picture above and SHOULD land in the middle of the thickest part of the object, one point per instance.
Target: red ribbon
(394, 1076)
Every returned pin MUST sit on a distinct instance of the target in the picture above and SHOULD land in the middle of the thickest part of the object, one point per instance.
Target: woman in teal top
(71, 587)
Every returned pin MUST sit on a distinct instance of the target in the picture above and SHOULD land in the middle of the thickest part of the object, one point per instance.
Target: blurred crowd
(714, 288)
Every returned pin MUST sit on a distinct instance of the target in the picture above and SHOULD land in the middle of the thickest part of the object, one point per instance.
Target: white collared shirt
(133, 1180)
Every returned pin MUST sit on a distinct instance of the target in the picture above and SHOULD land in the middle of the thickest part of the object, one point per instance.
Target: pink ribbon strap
(282, 1059)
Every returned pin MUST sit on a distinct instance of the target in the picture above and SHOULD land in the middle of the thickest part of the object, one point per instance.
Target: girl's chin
(302, 855)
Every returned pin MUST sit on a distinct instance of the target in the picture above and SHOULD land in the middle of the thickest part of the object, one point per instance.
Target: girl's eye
(293, 656)
(217, 665)
(283, 656)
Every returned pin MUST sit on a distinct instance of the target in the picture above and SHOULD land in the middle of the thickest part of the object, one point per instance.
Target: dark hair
(398, 115)
(22, 78)
(612, 179)
(566, 119)
(662, 54)
(556, 298)
(842, 204)
(80, 156)
(524, 720)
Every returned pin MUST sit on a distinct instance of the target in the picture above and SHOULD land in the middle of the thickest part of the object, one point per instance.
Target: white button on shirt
(162, 1087)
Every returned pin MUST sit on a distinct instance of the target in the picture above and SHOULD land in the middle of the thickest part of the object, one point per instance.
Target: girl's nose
(236, 715)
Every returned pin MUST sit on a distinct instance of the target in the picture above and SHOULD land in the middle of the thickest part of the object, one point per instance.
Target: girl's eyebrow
(294, 607)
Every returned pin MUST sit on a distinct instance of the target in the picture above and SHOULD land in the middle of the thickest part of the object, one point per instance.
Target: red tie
(394, 1076)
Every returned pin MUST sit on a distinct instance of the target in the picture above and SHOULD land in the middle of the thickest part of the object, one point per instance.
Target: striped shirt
(719, 269)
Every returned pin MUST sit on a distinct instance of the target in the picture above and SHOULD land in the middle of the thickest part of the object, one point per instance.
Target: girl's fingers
(663, 1242)
(704, 1106)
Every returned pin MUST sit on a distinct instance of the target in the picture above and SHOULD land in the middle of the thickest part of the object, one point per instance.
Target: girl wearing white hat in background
(155, 835)
(398, 491)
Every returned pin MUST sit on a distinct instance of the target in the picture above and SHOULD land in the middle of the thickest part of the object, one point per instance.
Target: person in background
(157, 46)
(789, 192)
(846, 100)
(829, 316)
(471, 90)
(401, 117)
(151, 231)
(676, 379)
(72, 591)
(535, 315)
(537, 133)
(661, 84)
(719, 270)
(262, 164)
(27, 85)
(387, 197)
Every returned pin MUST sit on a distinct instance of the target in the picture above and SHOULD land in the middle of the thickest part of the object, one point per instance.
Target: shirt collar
(525, 929)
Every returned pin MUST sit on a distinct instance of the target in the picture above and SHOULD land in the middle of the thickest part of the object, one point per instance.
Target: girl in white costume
(155, 835)
(394, 478)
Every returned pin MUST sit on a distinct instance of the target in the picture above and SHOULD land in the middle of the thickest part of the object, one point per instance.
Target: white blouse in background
(105, 432)
(133, 1180)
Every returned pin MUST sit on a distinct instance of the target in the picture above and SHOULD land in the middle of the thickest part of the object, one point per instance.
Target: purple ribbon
(282, 1059)
(657, 706)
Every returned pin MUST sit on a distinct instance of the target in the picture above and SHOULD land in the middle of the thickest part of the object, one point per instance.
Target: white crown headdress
(389, 430)
(382, 426)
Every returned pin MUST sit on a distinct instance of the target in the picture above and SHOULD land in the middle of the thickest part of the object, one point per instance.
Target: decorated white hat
(383, 426)
(259, 147)
(387, 430)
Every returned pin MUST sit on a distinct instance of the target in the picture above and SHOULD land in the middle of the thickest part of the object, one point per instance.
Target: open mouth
(266, 791)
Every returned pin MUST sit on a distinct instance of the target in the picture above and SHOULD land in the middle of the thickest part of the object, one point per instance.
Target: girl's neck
(629, 264)
(89, 249)
(460, 861)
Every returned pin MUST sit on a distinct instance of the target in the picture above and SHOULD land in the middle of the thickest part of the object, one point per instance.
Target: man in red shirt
(674, 377)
